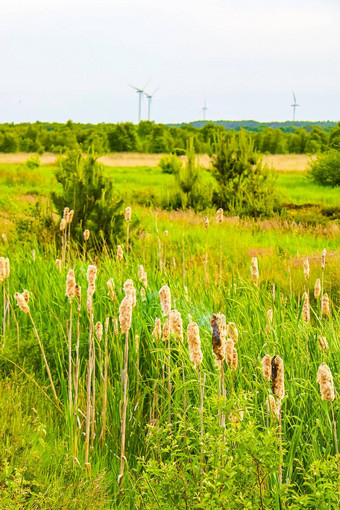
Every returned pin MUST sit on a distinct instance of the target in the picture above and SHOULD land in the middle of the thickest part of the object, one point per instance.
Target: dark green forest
(149, 137)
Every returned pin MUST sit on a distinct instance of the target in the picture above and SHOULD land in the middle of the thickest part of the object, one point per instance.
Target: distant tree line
(149, 137)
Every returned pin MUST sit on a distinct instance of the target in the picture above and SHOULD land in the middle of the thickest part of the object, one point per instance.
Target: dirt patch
(28, 198)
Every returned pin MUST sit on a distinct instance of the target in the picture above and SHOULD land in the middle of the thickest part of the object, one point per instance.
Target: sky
(75, 59)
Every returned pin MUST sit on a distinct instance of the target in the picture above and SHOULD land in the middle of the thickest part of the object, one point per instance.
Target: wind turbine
(149, 98)
(139, 91)
(204, 108)
(294, 106)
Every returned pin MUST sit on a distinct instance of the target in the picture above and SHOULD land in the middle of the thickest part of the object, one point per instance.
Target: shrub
(170, 164)
(326, 169)
(33, 162)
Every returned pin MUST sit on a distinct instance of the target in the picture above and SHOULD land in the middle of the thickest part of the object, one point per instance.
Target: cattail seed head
(143, 277)
(254, 270)
(111, 289)
(119, 253)
(58, 264)
(306, 309)
(89, 304)
(206, 222)
(267, 367)
(274, 406)
(86, 235)
(157, 331)
(219, 215)
(166, 233)
(278, 385)
(229, 350)
(218, 328)
(317, 289)
(176, 325)
(325, 380)
(99, 330)
(165, 297)
(78, 293)
(323, 258)
(143, 294)
(7, 268)
(325, 310)
(306, 268)
(166, 330)
(125, 314)
(235, 359)
(70, 285)
(65, 214)
(107, 322)
(236, 416)
(21, 302)
(323, 344)
(130, 291)
(2, 269)
(70, 216)
(91, 278)
(26, 295)
(194, 343)
(63, 224)
(128, 214)
(232, 332)
(270, 316)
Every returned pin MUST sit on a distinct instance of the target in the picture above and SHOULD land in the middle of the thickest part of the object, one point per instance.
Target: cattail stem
(45, 360)
(106, 364)
(201, 389)
(206, 258)
(220, 272)
(183, 257)
(76, 383)
(125, 399)
(4, 318)
(335, 439)
(280, 442)
(127, 240)
(93, 405)
(70, 361)
(169, 380)
(88, 398)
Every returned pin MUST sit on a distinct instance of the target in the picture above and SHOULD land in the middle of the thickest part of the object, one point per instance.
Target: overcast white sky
(74, 59)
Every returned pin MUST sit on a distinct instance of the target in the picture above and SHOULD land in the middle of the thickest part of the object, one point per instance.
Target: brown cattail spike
(119, 253)
(306, 268)
(267, 367)
(99, 331)
(232, 332)
(86, 235)
(325, 380)
(21, 302)
(278, 385)
(317, 289)
(194, 343)
(128, 214)
(70, 285)
(165, 297)
(219, 215)
(305, 308)
(323, 258)
(157, 332)
(254, 270)
(325, 310)
(130, 291)
(125, 314)
(176, 325)
(26, 296)
(218, 328)
(323, 344)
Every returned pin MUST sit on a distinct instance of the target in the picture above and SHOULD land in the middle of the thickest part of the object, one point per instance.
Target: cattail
(65, 214)
(229, 351)
(111, 289)
(234, 360)
(236, 416)
(157, 331)
(70, 216)
(176, 325)
(21, 302)
(26, 295)
(2, 269)
(278, 385)
(125, 314)
(115, 326)
(305, 308)
(107, 322)
(232, 332)
(218, 327)
(267, 367)
(119, 253)
(166, 233)
(323, 258)
(194, 343)
(254, 270)
(323, 344)
(130, 291)
(63, 224)
(143, 277)
(166, 330)
(270, 315)
(70, 285)
(206, 222)
(306, 268)
(58, 264)
(165, 297)
(325, 310)
(325, 380)
(78, 293)
(99, 330)
(317, 289)
(86, 235)
(4, 237)
(143, 294)
(33, 255)
(274, 406)
(219, 216)
(128, 214)
(7, 268)
(91, 278)
(89, 304)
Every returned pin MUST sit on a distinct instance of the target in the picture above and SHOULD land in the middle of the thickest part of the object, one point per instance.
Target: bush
(326, 169)
(33, 162)
(170, 164)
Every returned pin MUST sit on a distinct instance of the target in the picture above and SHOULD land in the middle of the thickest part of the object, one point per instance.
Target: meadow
(111, 402)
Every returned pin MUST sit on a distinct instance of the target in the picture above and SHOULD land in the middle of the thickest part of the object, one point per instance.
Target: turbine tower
(204, 109)
(139, 91)
(149, 98)
(294, 105)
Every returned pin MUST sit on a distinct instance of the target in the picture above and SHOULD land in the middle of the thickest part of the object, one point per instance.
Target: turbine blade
(136, 88)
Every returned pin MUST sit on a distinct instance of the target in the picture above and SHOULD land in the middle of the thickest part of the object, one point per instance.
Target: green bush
(33, 162)
(170, 164)
(326, 169)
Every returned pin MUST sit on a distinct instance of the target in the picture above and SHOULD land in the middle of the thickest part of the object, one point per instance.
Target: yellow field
(281, 162)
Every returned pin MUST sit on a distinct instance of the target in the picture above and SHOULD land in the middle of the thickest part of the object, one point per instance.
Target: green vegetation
(149, 137)
(326, 169)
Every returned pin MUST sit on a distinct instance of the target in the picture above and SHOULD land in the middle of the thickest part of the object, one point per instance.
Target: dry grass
(280, 162)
